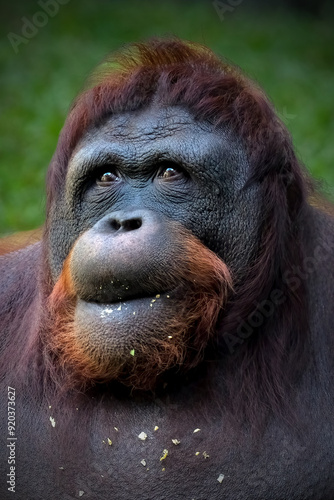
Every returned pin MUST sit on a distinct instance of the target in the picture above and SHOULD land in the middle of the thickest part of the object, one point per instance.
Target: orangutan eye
(106, 178)
(170, 172)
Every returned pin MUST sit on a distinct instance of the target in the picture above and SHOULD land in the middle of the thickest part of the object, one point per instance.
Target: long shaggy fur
(173, 72)
(263, 368)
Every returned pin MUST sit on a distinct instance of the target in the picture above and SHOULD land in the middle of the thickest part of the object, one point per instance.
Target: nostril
(131, 224)
(115, 224)
(126, 224)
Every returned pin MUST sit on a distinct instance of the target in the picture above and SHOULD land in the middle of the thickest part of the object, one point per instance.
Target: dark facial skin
(162, 161)
(131, 183)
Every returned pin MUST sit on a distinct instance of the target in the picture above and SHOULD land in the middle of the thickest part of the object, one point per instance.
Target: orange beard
(175, 337)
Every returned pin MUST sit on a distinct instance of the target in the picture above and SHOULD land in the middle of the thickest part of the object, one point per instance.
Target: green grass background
(289, 53)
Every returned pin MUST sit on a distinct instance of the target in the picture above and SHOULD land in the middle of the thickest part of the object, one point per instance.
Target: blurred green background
(290, 52)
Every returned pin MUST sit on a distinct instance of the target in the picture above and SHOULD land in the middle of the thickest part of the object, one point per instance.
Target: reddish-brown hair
(173, 72)
(179, 342)
(176, 72)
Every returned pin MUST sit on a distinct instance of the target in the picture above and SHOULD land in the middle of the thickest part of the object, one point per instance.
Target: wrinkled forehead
(142, 126)
(158, 132)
